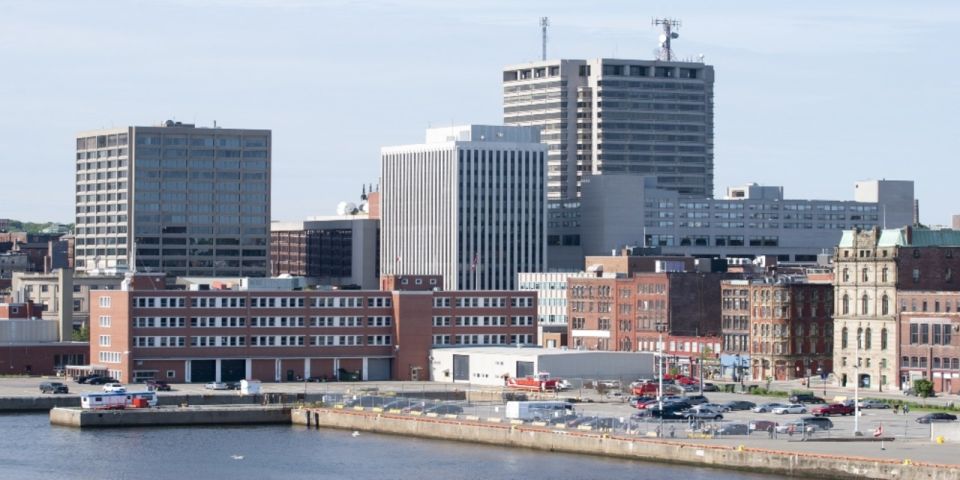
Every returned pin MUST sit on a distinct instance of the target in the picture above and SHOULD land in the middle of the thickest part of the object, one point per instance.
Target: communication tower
(668, 25)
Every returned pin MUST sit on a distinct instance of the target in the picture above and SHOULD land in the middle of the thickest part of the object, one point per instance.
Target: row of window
(936, 362)
(256, 302)
(491, 339)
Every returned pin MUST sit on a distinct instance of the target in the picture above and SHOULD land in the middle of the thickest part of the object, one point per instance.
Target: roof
(529, 351)
(909, 237)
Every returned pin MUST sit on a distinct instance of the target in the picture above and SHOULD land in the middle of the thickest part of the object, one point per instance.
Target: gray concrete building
(750, 221)
(176, 198)
(616, 116)
(64, 293)
(469, 204)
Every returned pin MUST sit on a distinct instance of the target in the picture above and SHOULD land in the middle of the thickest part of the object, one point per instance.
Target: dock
(171, 416)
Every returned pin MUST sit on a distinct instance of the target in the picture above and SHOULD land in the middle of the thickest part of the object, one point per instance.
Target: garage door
(203, 371)
(378, 369)
(233, 370)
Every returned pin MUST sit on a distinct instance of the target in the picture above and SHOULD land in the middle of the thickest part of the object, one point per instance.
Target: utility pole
(856, 388)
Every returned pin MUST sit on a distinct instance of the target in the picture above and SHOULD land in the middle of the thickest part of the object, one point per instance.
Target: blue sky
(809, 95)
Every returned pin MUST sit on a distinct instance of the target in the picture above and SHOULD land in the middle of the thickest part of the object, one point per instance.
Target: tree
(82, 335)
(923, 387)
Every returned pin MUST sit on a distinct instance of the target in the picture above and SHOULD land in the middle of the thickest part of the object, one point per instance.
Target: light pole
(823, 378)
(856, 389)
(660, 379)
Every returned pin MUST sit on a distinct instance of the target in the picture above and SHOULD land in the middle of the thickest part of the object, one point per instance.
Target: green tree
(923, 387)
(82, 335)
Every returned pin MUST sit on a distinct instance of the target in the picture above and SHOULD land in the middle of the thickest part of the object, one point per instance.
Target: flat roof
(528, 351)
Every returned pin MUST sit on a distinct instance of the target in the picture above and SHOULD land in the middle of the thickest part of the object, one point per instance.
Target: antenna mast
(544, 23)
(668, 25)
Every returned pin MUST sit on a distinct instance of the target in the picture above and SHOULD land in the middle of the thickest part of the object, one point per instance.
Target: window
(885, 305)
(883, 274)
(104, 340)
(105, 302)
(868, 338)
(843, 338)
(883, 339)
(104, 320)
(865, 276)
(845, 304)
(864, 304)
(859, 337)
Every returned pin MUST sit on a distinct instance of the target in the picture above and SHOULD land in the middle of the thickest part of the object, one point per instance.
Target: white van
(538, 410)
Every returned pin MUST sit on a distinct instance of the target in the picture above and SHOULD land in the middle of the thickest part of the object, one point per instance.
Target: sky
(812, 95)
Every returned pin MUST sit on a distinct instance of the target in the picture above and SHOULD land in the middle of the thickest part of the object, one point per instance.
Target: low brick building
(930, 339)
(228, 335)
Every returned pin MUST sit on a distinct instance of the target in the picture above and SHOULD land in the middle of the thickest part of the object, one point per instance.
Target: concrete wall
(74, 417)
(739, 458)
(13, 404)
(950, 432)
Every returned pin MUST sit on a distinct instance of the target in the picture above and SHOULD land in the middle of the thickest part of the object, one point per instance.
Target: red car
(832, 409)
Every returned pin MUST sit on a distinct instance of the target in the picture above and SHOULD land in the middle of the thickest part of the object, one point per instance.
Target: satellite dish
(663, 37)
(346, 208)
(674, 35)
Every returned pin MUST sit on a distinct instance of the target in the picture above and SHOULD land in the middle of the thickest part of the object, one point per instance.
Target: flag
(397, 260)
(476, 260)
(879, 431)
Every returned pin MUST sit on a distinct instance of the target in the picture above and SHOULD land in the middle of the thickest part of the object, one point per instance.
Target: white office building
(468, 204)
(551, 288)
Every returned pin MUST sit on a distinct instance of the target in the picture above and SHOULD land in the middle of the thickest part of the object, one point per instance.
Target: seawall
(475, 430)
(46, 402)
(170, 416)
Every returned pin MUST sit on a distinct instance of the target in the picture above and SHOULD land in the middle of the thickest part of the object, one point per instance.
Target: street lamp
(856, 388)
(823, 377)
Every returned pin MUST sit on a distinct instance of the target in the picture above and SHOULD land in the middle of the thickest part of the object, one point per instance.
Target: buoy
(940, 439)
(356, 433)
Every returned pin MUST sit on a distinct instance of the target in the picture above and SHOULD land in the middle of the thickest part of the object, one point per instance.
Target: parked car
(703, 414)
(158, 385)
(808, 424)
(696, 399)
(87, 378)
(832, 409)
(792, 408)
(98, 380)
(53, 387)
(762, 425)
(766, 407)
(805, 398)
(445, 409)
(712, 406)
(709, 387)
(669, 412)
(730, 429)
(114, 387)
(870, 403)
(739, 405)
(367, 401)
(216, 386)
(937, 417)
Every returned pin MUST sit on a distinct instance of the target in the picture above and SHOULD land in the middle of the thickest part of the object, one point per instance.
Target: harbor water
(31, 448)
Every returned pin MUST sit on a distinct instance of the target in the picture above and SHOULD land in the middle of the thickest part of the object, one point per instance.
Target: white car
(216, 386)
(766, 407)
(712, 406)
(114, 388)
(793, 408)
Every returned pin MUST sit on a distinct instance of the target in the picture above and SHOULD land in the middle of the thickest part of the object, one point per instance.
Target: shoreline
(739, 458)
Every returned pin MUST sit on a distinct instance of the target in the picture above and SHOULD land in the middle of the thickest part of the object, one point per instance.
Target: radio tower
(668, 25)
(544, 23)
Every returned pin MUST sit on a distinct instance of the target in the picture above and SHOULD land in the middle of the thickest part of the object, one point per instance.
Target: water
(31, 448)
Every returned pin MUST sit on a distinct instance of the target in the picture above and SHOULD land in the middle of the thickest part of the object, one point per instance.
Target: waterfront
(31, 448)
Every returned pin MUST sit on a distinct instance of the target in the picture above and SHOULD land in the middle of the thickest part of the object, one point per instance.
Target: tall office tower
(469, 204)
(174, 198)
(609, 116)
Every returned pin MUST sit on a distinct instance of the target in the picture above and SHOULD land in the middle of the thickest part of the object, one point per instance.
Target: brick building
(29, 344)
(930, 339)
(228, 335)
(791, 328)
(630, 313)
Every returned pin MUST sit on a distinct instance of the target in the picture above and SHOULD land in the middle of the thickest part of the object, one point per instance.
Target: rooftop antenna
(544, 23)
(668, 25)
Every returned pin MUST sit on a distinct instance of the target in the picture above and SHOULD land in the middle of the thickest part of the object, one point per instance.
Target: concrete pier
(171, 416)
(786, 463)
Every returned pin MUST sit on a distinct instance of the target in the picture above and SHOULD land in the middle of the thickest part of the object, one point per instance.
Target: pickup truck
(832, 409)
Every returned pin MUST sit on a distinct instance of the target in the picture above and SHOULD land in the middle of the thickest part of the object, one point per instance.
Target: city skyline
(301, 69)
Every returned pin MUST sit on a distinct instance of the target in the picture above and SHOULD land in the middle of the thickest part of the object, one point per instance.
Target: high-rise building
(469, 204)
(613, 116)
(174, 198)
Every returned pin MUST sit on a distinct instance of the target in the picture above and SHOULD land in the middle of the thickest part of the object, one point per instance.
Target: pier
(171, 416)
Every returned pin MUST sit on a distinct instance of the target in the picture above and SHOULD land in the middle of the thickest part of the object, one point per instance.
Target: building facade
(65, 293)
(616, 116)
(791, 328)
(338, 251)
(929, 323)
(173, 198)
(551, 288)
(271, 335)
(469, 204)
(873, 269)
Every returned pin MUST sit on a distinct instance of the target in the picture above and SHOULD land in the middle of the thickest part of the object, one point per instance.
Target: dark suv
(805, 398)
(53, 387)
(158, 385)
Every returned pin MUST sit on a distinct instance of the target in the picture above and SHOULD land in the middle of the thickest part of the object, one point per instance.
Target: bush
(923, 387)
